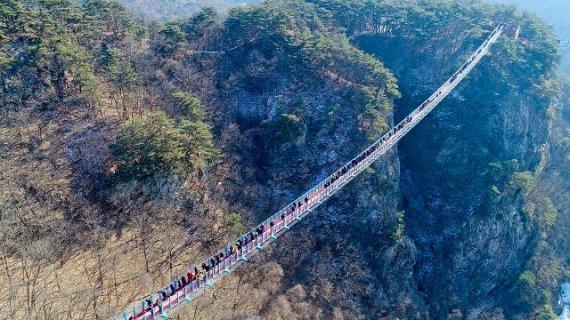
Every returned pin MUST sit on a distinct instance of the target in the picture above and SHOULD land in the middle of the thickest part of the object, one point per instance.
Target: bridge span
(160, 304)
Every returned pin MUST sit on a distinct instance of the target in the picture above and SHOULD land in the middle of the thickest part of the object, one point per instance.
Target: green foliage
(528, 278)
(85, 80)
(500, 171)
(233, 222)
(120, 70)
(48, 47)
(4, 62)
(536, 284)
(150, 146)
(400, 230)
(548, 214)
(199, 25)
(123, 74)
(16, 18)
(296, 36)
(76, 61)
(177, 9)
(338, 56)
(72, 54)
(109, 16)
(288, 128)
(387, 184)
(530, 209)
(522, 181)
(190, 106)
(159, 146)
(202, 150)
(551, 113)
(180, 33)
(547, 312)
(173, 37)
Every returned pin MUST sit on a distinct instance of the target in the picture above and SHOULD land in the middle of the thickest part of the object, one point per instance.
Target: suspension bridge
(195, 282)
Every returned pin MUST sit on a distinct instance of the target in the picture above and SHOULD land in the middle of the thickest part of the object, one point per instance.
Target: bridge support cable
(256, 239)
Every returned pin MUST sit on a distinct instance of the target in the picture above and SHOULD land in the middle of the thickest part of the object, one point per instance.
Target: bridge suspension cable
(239, 251)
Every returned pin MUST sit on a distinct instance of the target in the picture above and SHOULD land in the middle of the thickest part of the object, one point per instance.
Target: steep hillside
(466, 190)
(554, 182)
(131, 151)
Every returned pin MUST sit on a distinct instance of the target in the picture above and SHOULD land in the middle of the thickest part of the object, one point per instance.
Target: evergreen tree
(149, 146)
(161, 146)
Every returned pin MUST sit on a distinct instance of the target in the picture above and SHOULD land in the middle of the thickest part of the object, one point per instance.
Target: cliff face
(452, 224)
(463, 207)
(297, 113)
(473, 240)
(554, 182)
(468, 237)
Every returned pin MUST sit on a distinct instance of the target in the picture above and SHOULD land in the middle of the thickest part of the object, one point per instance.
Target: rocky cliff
(454, 223)
(461, 171)
(459, 222)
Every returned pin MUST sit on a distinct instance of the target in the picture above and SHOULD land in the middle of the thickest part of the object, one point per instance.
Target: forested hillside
(554, 13)
(132, 149)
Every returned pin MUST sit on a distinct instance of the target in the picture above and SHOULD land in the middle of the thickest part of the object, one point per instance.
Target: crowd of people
(199, 275)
